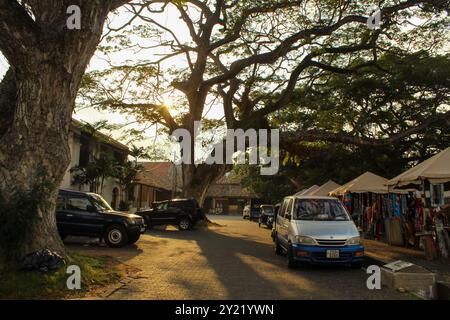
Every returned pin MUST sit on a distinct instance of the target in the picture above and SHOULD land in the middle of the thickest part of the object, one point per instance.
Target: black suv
(183, 213)
(88, 214)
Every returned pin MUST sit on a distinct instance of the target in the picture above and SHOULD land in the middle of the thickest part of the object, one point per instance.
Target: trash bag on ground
(43, 261)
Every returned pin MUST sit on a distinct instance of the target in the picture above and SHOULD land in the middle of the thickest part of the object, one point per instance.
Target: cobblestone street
(231, 260)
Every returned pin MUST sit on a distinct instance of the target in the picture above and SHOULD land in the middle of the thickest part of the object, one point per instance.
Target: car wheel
(116, 236)
(184, 224)
(356, 265)
(291, 263)
(278, 248)
(133, 239)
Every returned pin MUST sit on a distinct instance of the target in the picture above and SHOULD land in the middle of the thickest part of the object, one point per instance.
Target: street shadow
(249, 269)
(99, 248)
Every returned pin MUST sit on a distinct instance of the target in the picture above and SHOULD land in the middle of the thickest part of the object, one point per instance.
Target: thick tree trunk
(37, 98)
(198, 179)
(34, 155)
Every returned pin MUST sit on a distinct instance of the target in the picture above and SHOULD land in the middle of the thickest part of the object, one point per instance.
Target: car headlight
(353, 241)
(305, 240)
(132, 221)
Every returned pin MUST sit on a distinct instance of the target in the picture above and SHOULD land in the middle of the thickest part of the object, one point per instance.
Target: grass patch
(95, 273)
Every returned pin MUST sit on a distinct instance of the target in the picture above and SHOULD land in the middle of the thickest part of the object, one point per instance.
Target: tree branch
(115, 4)
(18, 32)
(162, 110)
(343, 137)
(287, 45)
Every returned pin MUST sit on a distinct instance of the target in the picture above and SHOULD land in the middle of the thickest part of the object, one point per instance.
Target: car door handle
(69, 215)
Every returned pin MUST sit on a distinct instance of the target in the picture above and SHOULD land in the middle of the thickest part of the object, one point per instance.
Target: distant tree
(126, 174)
(263, 186)
(138, 153)
(95, 173)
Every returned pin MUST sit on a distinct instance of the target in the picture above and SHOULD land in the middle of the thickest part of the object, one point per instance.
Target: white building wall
(108, 188)
(74, 145)
(109, 183)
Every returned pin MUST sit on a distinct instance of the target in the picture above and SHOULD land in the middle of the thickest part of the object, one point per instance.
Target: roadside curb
(370, 260)
(443, 289)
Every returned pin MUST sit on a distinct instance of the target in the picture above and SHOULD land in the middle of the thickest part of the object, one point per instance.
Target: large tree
(37, 97)
(249, 57)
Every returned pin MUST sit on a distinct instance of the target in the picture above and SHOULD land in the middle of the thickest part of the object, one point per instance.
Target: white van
(319, 230)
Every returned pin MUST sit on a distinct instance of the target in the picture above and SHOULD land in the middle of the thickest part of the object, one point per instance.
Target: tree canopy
(406, 90)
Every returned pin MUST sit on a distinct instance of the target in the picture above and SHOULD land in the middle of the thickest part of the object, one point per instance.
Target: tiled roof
(88, 129)
(159, 175)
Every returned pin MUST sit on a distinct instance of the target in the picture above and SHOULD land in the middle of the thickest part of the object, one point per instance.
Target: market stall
(324, 189)
(305, 192)
(376, 211)
(428, 215)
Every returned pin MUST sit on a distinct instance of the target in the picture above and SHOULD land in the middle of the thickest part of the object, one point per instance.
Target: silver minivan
(318, 230)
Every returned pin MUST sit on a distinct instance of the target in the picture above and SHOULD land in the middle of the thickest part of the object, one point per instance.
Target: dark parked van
(88, 214)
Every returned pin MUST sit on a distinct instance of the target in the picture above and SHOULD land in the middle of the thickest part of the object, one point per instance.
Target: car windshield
(100, 204)
(319, 210)
(267, 209)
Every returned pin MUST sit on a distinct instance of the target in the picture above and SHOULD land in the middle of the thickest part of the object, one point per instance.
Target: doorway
(115, 198)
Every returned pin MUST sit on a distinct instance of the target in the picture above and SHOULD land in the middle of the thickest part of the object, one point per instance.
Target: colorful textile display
(396, 207)
(348, 201)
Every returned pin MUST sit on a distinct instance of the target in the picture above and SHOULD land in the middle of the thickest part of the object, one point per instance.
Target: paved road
(234, 260)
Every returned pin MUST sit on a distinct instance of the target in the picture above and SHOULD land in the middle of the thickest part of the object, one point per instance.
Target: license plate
(142, 229)
(332, 254)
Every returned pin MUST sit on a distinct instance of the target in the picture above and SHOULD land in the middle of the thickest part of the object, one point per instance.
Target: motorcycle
(269, 223)
(266, 220)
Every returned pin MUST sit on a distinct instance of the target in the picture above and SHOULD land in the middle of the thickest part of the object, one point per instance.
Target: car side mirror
(90, 208)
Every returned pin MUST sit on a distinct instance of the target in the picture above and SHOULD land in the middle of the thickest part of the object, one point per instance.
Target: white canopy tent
(435, 169)
(307, 191)
(367, 182)
(324, 189)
